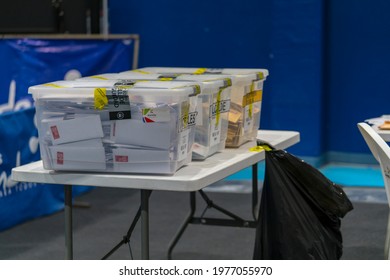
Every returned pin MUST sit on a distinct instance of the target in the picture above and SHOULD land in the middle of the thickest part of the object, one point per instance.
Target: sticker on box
(215, 132)
(183, 145)
(77, 129)
(185, 110)
(150, 115)
(115, 101)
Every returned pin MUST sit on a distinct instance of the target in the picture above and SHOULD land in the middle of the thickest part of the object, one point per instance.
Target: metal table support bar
(255, 190)
(183, 226)
(191, 178)
(236, 221)
(126, 238)
(68, 222)
(211, 204)
(145, 224)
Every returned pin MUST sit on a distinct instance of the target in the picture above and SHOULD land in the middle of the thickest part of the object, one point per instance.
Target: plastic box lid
(238, 74)
(86, 89)
(208, 83)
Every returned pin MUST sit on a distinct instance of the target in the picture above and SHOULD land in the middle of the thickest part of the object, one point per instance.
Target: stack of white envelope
(115, 125)
(211, 115)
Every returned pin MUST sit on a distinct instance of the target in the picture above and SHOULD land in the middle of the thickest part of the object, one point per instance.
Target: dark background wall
(328, 59)
(285, 37)
(358, 73)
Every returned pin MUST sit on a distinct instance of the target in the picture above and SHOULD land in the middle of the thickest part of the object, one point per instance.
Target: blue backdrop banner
(27, 62)
(19, 145)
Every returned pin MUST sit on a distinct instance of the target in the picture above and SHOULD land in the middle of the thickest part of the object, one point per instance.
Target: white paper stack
(246, 98)
(211, 115)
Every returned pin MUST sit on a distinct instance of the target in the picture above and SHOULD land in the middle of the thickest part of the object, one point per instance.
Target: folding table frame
(191, 178)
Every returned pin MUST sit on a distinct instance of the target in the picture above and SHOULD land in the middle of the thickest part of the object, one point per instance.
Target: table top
(385, 134)
(195, 176)
(376, 122)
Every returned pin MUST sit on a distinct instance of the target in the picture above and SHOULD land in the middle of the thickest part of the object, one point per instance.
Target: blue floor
(348, 175)
(354, 175)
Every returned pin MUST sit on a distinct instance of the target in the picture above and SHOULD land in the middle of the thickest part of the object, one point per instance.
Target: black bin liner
(300, 211)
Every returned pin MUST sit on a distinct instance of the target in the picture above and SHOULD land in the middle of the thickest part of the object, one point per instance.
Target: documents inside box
(213, 104)
(246, 96)
(66, 157)
(140, 155)
(65, 131)
(134, 132)
(83, 126)
(385, 125)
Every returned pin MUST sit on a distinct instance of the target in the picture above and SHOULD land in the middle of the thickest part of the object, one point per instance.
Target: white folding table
(385, 134)
(376, 122)
(193, 177)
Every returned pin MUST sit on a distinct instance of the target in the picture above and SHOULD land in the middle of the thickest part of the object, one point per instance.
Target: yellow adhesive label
(124, 87)
(256, 149)
(195, 87)
(185, 110)
(200, 71)
(228, 82)
(141, 71)
(100, 98)
(260, 148)
(250, 109)
(218, 107)
(165, 79)
(53, 85)
(260, 75)
(99, 77)
(252, 97)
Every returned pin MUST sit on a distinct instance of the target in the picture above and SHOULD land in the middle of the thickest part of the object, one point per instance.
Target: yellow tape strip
(165, 79)
(256, 149)
(185, 110)
(260, 75)
(53, 85)
(260, 148)
(251, 104)
(195, 87)
(218, 107)
(252, 97)
(99, 77)
(200, 71)
(100, 98)
(141, 71)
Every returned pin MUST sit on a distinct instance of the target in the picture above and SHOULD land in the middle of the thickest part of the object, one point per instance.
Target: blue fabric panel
(26, 62)
(22, 201)
(358, 75)
(201, 33)
(293, 93)
(283, 36)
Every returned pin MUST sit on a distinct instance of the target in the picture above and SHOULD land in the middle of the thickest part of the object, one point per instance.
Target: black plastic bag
(300, 211)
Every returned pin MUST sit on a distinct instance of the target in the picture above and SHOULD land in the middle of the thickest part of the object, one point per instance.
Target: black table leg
(184, 225)
(145, 224)
(255, 191)
(68, 222)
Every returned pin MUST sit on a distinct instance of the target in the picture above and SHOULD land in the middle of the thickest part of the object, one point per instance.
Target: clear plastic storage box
(212, 112)
(115, 125)
(246, 98)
